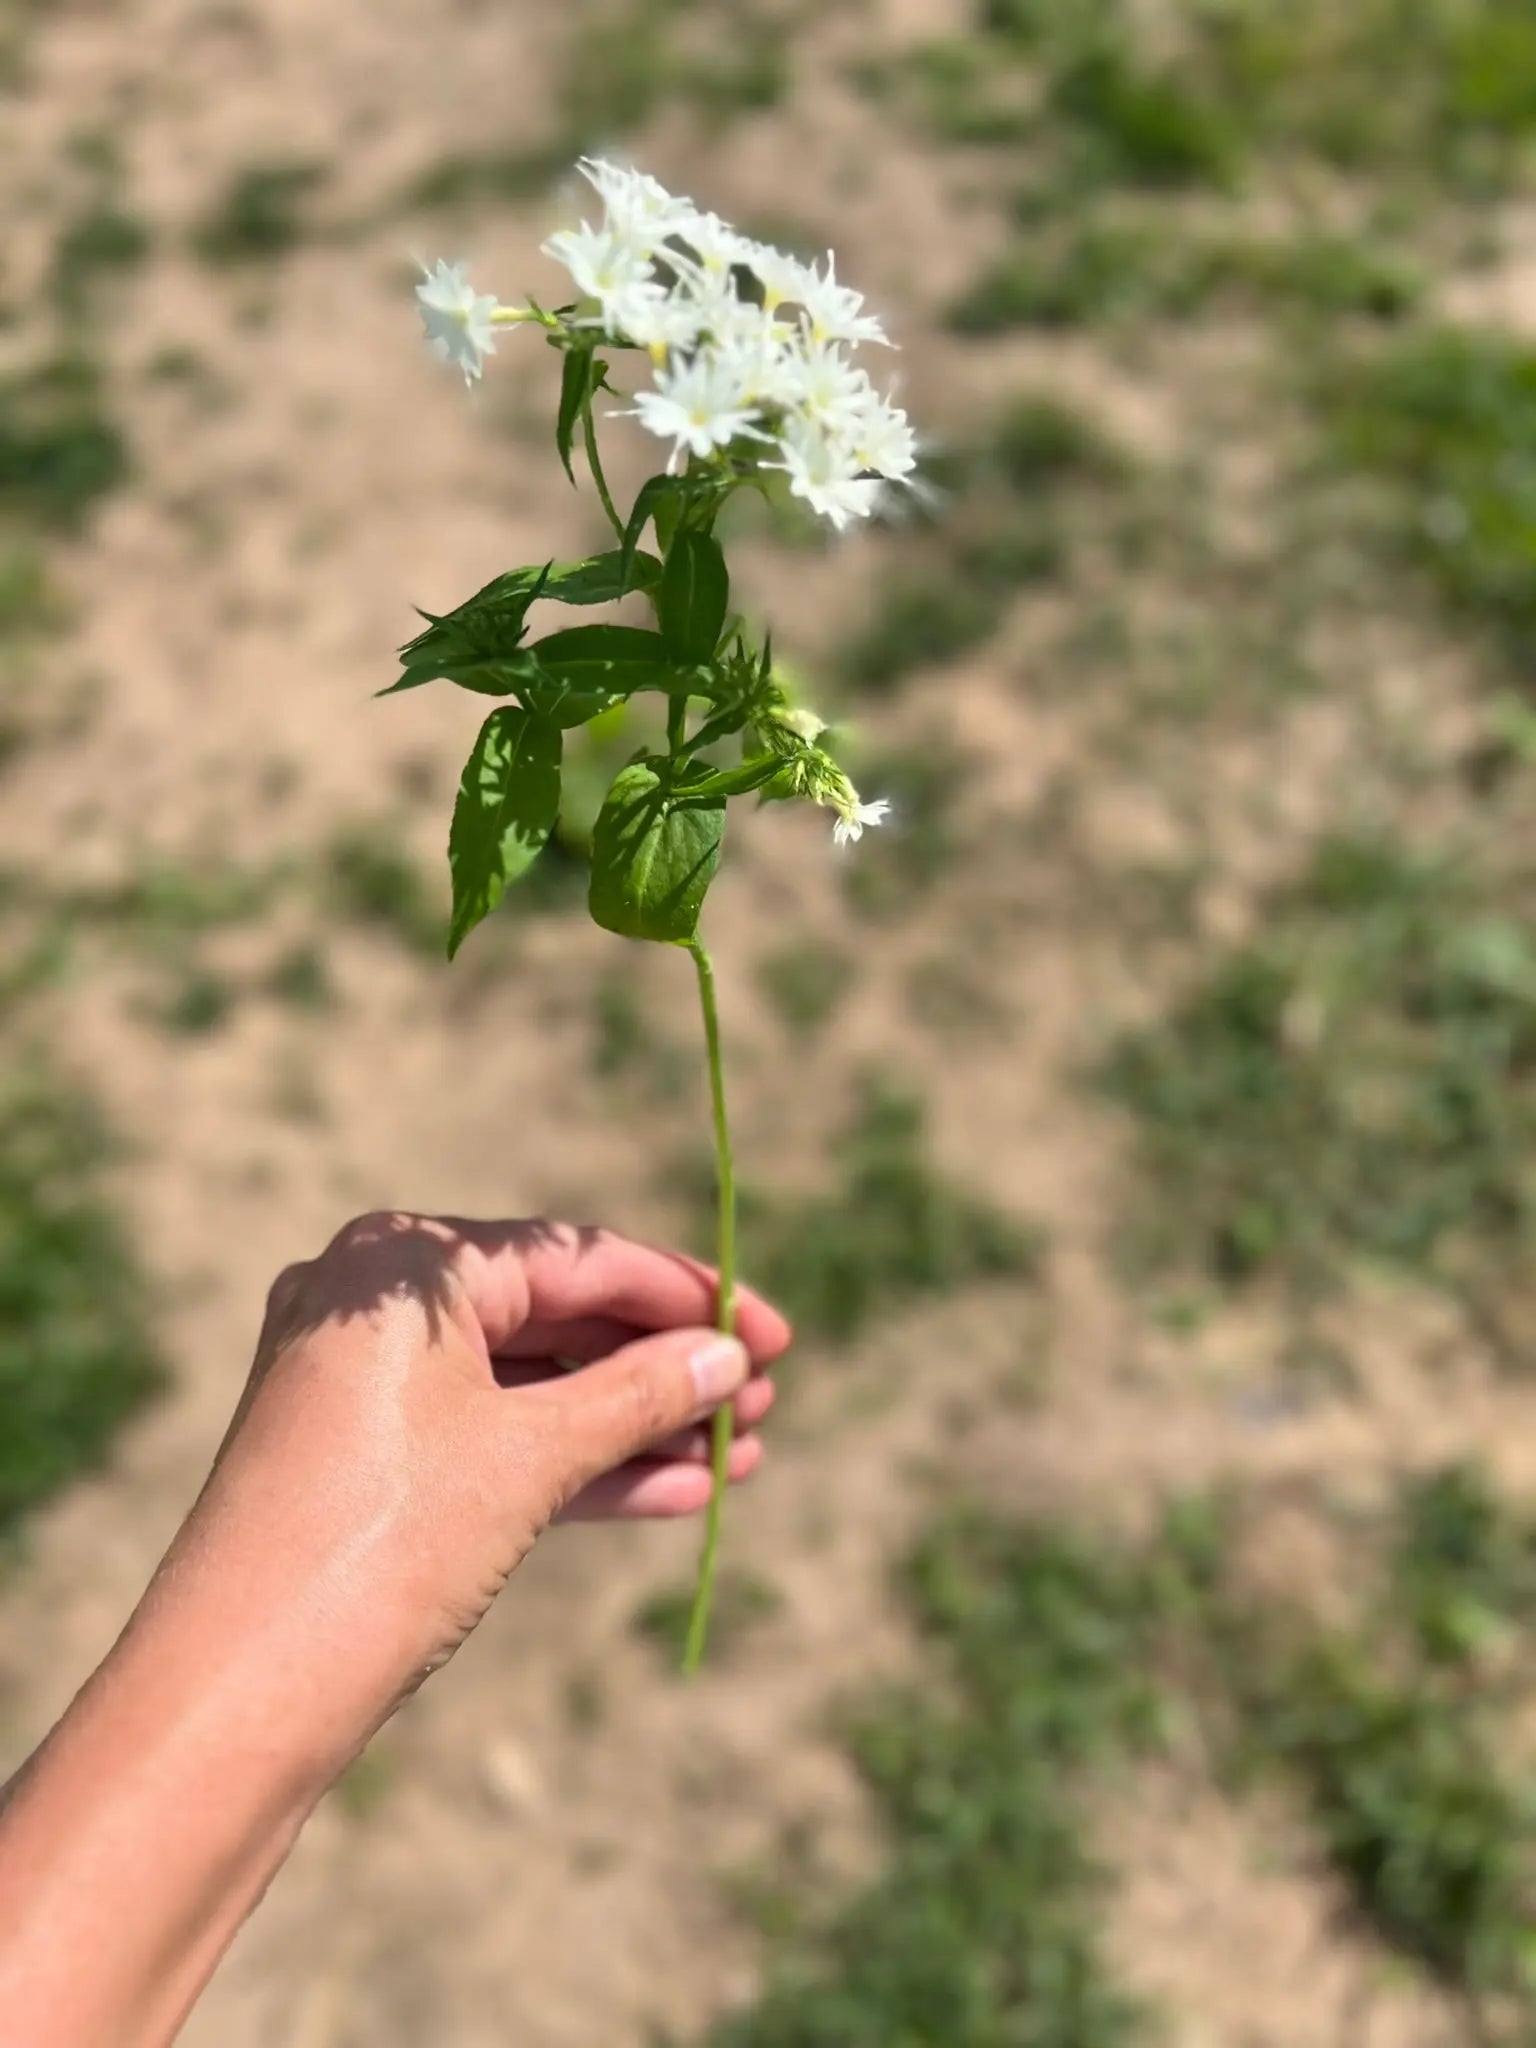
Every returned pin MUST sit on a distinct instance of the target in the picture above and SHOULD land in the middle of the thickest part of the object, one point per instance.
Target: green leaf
(654, 852)
(654, 495)
(600, 579)
(578, 381)
(508, 801)
(573, 675)
(695, 592)
(474, 644)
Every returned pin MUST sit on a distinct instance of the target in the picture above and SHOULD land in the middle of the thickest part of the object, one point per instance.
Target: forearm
(141, 1835)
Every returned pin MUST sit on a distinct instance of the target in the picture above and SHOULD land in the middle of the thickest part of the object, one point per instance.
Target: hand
(430, 1393)
(427, 1396)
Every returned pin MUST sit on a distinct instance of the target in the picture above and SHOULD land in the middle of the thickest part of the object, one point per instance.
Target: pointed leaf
(654, 853)
(573, 675)
(695, 593)
(580, 378)
(600, 579)
(508, 801)
(473, 644)
(654, 495)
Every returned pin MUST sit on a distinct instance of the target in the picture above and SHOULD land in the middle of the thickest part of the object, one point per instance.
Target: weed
(1433, 1837)
(805, 983)
(31, 604)
(891, 1230)
(924, 784)
(301, 978)
(59, 449)
(1464, 1571)
(1356, 1082)
(200, 1002)
(76, 1355)
(260, 215)
(984, 1927)
(917, 622)
(1089, 272)
(1446, 420)
(743, 1600)
(373, 882)
(101, 242)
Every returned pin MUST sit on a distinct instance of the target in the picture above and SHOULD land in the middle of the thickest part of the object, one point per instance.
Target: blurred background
(1131, 1640)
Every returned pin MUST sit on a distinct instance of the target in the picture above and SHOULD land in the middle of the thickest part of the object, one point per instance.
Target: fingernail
(719, 1368)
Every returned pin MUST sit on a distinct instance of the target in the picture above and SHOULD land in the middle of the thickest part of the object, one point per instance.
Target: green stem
(725, 1183)
(677, 725)
(589, 435)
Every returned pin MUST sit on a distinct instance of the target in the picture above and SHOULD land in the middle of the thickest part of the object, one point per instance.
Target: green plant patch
(1356, 1083)
(77, 1357)
(262, 213)
(1445, 421)
(101, 242)
(60, 448)
(892, 1230)
(743, 1600)
(984, 1929)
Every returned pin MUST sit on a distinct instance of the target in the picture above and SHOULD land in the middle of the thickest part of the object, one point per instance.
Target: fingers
(646, 1489)
(528, 1281)
(748, 1408)
(635, 1399)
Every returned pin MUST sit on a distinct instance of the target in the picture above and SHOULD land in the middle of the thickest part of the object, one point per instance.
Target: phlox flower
(833, 308)
(821, 469)
(849, 826)
(698, 405)
(638, 208)
(604, 262)
(456, 317)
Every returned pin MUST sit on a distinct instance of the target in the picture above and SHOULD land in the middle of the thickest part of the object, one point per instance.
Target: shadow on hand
(393, 1256)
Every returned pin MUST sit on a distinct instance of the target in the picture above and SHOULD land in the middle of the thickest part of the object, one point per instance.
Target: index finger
(526, 1280)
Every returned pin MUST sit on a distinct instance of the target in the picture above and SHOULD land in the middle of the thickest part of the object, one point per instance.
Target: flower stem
(589, 435)
(725, 1188)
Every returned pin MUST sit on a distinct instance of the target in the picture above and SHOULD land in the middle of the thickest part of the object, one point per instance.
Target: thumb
(645, 1391)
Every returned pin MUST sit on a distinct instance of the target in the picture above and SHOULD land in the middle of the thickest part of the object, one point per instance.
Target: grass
(805, 982)
(1355, 1083)
(628, 60)
(260, 215)
(891, 1230)
(101, 242)
(76, 1354)
(60, 449)
(743, 1600)
(1445, 421)
(984, 1928)
(1056, 1659)
(373, 883)
(897, 869)
(920, 620)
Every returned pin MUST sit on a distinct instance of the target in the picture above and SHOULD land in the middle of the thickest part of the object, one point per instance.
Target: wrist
(150, 1823)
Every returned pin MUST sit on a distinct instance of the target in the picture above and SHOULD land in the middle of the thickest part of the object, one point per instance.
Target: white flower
(821, 470)
(639, 209)
(850, 825)
(652, 317)
(883, 440)
(801, 719)
(603, 262)
(833, 393)
(698, 406)
(714, 247)
(833, 308)
(783, 277)
(457, 318)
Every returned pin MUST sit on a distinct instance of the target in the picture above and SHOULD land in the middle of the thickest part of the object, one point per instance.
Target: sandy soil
(545, 1852)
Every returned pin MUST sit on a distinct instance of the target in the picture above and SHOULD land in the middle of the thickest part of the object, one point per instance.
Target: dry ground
(543, 1846)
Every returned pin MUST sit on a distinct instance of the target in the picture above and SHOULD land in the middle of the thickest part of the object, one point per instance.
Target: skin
(427, 1397)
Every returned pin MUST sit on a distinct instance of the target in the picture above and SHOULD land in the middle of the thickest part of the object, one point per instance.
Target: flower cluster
(751, 349)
